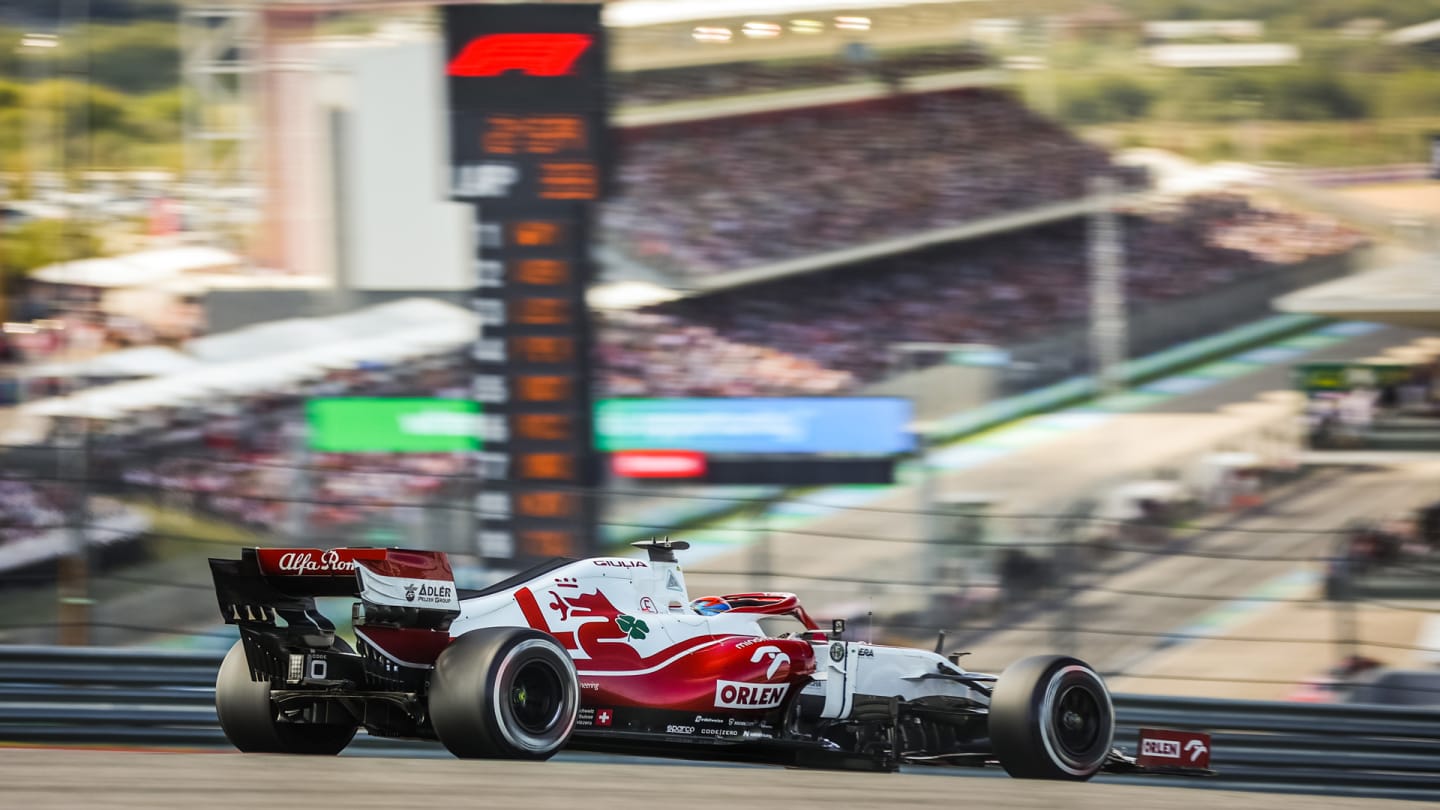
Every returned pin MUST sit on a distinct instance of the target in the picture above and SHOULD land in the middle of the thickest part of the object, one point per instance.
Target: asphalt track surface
(50, 779)
(876, 541)
(1159, 594)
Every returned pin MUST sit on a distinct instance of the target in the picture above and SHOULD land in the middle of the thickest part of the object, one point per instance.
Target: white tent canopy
(277, 355)
(142, 361)
(382, 320)
(138, 269)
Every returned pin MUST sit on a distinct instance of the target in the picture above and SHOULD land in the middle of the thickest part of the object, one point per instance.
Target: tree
(36, 243)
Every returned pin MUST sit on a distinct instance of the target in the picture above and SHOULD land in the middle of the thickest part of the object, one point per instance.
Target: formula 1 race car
(611, 654)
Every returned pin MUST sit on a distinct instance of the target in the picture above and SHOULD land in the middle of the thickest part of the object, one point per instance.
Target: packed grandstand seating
(832, 332)
(241, 465)
(698, 198)
(819, 333)
(664, 85)
(260, 490)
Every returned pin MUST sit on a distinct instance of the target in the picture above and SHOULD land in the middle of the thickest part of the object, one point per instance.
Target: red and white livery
(611, 653)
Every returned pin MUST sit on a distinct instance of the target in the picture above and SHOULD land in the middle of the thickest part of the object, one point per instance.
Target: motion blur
(1104, 329)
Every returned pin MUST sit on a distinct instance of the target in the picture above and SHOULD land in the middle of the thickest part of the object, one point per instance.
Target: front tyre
(250, 721)
(504, 693)
(1051, 718)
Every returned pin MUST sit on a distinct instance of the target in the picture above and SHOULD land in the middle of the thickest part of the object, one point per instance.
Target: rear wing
(275, 588)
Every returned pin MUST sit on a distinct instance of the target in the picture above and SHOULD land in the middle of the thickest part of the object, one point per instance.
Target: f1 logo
(529, 54)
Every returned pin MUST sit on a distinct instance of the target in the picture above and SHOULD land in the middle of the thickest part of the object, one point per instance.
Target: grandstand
(806, 215)
(689, 83)
(729, 194)
(832, 331)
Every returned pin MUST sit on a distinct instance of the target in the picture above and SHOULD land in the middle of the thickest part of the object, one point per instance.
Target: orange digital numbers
(569, 181)
(543, 389)
(548, 542)
(555, 134)
(533, 233)
(541, 311)
(501, 135)
(544, 349)
(534, 135)
(542, 272)
(548, 466)
(542, 426)
(545, 504)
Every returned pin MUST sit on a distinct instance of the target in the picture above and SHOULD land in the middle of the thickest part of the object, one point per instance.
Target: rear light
(297, 669)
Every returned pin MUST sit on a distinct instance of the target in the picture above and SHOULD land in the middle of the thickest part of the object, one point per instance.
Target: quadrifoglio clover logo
(632, 627)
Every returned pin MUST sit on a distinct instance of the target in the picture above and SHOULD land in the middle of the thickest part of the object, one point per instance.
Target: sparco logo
(1169, 749)
(308, 562)
(732, 695)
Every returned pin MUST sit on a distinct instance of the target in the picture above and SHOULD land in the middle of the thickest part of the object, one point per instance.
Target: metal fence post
(73, 610)
(761, 562)
(1063, 564)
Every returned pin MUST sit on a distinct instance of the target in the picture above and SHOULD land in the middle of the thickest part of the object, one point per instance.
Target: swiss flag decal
(604, 717)
(530, 54)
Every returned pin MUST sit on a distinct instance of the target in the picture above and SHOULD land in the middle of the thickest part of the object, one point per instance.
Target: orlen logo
(732, 695)
(779, 662)
(530, 54)
(1169, 749)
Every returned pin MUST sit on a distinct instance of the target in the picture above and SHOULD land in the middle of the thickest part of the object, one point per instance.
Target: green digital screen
(393, 425)
(1312, 377)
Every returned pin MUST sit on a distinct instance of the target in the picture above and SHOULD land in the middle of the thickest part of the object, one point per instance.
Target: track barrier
(164, 698)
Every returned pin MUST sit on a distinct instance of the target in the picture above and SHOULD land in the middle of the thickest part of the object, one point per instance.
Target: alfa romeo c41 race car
(611, 654)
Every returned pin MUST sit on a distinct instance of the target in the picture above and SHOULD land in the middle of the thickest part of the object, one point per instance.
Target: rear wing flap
(398, 586)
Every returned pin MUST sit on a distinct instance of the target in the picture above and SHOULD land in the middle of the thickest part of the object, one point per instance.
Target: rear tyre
(1051, 718)
(504, 693)
(249, 718)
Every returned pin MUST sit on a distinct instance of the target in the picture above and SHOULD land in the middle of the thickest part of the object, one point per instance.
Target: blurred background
(1107, 328)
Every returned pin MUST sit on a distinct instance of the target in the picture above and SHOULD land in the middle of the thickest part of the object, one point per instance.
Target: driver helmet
(709, 605)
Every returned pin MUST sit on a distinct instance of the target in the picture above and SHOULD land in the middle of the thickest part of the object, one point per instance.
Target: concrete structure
(356, 150)
(1408, 295)
(395, 226)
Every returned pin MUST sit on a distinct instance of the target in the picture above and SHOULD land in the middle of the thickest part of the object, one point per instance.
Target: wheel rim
(536, 697)
(1078, 722)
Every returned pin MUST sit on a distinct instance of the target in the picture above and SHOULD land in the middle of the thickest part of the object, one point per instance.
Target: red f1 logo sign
(530, 54)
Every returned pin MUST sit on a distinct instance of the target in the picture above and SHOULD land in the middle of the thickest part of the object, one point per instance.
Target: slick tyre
(1051, 718)
(248, 717)
(504, 693)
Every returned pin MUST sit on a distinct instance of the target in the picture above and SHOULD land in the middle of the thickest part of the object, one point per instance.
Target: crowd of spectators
(698, 198)
(245, 463)
(275, 491)
(26, 511)
(694, 82)
(831, 332)
(56, 337)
